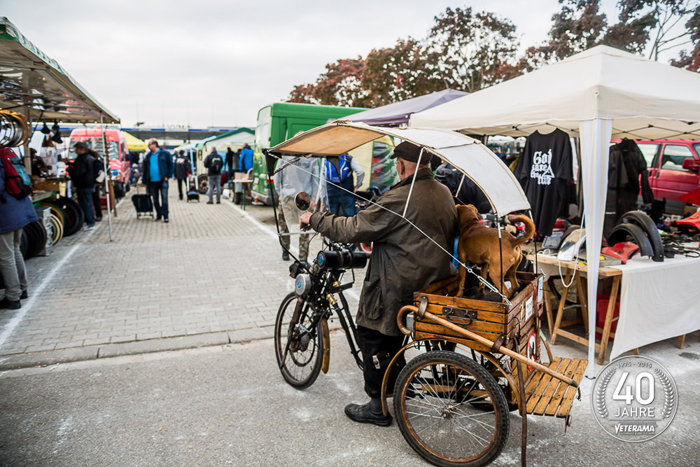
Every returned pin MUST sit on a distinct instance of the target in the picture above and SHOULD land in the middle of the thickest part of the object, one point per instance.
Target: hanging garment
(627, 174)
(545, 172)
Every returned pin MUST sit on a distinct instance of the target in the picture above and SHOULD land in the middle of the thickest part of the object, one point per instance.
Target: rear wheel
(298, 347)
(434, 402)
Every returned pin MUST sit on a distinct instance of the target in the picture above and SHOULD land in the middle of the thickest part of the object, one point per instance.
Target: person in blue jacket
(157, 170)
(14, 216)
(246, 162)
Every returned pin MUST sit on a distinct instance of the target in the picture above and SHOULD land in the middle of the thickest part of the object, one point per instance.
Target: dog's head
(467, 215)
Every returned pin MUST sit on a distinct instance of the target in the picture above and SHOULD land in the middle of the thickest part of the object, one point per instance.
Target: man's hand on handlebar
(304, 221)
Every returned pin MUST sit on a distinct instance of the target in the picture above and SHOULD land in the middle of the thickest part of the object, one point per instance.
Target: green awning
(32, 81)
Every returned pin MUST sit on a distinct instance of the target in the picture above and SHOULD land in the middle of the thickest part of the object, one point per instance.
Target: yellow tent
(134, 143)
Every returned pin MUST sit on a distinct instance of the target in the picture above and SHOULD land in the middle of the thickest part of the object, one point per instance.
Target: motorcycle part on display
(74, 215)
(302, 284)
(621, 233)
(56, 228)
(55, 210)
(344, 259)
(203, 184)
(642, 220)
(622, 251)
(450, 410)
(14, 130)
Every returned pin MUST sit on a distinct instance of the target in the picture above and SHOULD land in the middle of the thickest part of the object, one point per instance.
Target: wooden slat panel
(438, 329)
(561, 390)
(492, 317)
(466, 342)
(546, 396)
(568, 398)
(542, 386)
(551, 389)
(466, 303)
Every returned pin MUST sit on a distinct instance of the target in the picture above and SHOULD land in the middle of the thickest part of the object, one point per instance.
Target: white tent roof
(235, 141)
(470, 156)
(643, 98)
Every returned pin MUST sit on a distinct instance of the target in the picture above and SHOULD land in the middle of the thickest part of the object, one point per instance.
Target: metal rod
(108, 175)
(420, 155)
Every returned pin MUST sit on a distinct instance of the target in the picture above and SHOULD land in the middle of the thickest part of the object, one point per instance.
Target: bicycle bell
(302, 284)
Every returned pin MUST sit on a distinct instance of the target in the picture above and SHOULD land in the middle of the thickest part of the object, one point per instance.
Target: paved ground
(210, 278)
(213, 275)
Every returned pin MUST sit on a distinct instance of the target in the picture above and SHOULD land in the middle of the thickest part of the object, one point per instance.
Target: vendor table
(657, 301)
(245, 184)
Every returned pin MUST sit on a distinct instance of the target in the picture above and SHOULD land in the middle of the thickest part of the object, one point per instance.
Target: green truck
(279, 122)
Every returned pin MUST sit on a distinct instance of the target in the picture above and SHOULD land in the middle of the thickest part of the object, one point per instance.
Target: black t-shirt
(544, 173)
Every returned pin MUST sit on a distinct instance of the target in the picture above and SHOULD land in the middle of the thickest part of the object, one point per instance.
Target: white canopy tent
(468, 155)
(598, 95)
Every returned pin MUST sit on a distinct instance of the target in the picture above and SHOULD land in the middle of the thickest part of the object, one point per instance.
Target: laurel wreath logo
(669, 397)
(600, 393)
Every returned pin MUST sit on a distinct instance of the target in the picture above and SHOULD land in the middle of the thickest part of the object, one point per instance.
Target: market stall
(597, 95)
(37, 89)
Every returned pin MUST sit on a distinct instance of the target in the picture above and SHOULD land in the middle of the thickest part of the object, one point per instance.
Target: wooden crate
(486, 318)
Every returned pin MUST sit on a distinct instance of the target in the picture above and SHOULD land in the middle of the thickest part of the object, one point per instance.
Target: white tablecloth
(657, 301)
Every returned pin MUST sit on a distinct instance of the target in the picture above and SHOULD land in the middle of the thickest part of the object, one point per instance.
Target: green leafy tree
(476, 50)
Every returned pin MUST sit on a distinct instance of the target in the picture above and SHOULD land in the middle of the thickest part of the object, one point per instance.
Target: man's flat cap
(410, 152)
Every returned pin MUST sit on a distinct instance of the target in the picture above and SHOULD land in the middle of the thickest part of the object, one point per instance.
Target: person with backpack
(82, 175)
(340, 185)
(214, 162)
(16, 212)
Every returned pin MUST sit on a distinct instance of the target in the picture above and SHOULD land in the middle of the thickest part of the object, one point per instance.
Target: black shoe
(209, 202)
(285, 256)
(166, 220)
(218, 202)
(158, 218)
(6, 304)
(363, 414)
(24, 295)
(180, 197)
(98, 219)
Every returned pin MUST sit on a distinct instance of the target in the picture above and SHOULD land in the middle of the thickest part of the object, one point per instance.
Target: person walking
(83, 176)
(246, 162)
(340, 185)
(183, 169)
(15, 214)
(400, 244)
(215, 163)
(157, 170)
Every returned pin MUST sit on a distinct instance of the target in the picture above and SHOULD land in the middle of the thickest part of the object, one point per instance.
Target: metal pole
(107, 177)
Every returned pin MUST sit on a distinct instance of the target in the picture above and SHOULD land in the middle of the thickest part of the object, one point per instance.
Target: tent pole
(595, 142)
(105, 161)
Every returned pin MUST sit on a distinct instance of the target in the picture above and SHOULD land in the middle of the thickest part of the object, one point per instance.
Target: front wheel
(434, 400)
(298, 347)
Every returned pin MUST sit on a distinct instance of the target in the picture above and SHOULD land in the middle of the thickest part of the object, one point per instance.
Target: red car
(674, 169)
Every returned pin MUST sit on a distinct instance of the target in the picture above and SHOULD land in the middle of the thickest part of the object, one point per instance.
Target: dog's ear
(474, 210)
(462, 213)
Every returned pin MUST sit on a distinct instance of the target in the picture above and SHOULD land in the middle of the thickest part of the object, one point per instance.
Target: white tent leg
(595, 148)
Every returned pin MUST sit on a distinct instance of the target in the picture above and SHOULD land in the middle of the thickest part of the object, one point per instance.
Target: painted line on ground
(14, 322)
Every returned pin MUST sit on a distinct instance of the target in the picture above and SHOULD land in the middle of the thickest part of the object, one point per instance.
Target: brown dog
(479, 245)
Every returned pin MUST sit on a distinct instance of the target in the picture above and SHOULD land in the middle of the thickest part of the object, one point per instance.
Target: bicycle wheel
(433, 400)
(299, 348)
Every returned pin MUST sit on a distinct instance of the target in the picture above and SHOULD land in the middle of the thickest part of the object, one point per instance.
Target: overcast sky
(216, 63)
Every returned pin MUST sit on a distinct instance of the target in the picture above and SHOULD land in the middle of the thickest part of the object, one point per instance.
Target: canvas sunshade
(468, 155)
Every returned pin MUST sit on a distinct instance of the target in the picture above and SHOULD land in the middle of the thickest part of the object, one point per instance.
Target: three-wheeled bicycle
(479, 356)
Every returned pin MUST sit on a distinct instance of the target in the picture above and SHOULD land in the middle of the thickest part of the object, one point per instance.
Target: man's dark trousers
(179, 187)
(85, 202)
(373, 343)
(159, 189)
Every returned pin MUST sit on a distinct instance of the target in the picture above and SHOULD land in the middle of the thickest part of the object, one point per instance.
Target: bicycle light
(302, 284)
